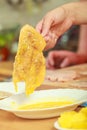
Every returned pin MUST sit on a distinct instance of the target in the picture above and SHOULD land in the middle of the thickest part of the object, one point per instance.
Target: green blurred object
(7, 38)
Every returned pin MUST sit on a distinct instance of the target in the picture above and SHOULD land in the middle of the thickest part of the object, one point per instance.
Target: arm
(82, 47)
(78, 11)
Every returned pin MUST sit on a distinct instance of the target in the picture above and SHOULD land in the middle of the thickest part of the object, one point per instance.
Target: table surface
(9, 121)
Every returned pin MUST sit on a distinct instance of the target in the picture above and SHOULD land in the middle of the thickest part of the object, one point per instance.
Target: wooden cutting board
(6, 69)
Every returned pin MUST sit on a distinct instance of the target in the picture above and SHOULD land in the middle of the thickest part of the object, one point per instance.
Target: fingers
(45, 24)
(43, 27)
(54, 60)
(59, 59)
(51, 40)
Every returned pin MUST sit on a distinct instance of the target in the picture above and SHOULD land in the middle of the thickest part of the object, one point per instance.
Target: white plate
(58, 127)
(7, 89)
(79, 95)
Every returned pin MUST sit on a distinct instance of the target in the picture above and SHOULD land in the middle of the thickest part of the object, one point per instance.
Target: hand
(60, 59)
(54, 24)
(59, 20)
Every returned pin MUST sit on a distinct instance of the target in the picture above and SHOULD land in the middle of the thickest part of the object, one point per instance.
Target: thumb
(39, 26)
(65, 63)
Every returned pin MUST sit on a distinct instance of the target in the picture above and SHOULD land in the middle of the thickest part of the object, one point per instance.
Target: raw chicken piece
(61, 76)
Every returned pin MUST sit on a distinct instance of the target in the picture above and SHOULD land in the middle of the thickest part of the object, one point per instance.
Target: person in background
(60, 59)
(58, 21)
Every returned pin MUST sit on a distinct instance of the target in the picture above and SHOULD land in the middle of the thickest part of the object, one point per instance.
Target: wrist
(69, 12)
(76, 11)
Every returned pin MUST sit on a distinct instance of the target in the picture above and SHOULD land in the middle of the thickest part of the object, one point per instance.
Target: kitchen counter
(9, 121)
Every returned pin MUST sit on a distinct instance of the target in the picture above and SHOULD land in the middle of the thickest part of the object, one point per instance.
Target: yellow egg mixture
(45, 102)
(29, 65)
(41, 105)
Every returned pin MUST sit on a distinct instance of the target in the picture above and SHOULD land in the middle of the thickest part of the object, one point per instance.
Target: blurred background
(15, 13)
